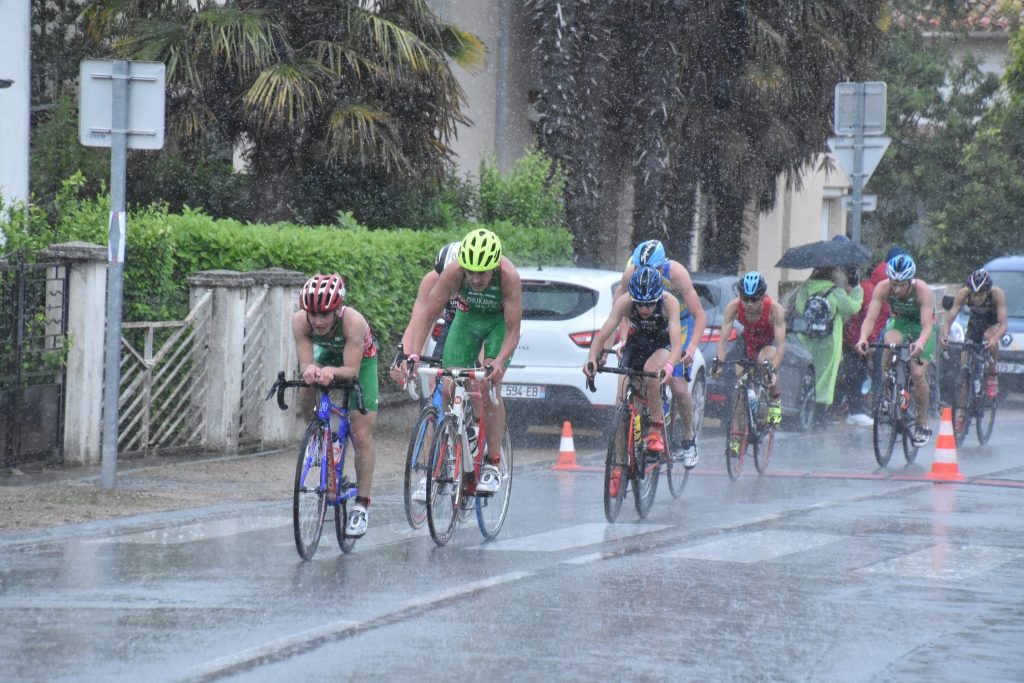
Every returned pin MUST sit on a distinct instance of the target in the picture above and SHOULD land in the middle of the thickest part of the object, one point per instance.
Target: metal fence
(33, 348)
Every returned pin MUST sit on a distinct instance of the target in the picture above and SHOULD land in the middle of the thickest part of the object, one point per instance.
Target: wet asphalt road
(828, 568)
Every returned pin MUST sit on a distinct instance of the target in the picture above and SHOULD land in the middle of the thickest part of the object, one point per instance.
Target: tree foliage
(327, 98)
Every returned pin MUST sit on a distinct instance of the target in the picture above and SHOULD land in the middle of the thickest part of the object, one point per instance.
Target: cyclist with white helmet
(987, 322)
(764, 337)
(912, 319)
(653, 345)
(692, 320)
(323, 328)
(489, 293)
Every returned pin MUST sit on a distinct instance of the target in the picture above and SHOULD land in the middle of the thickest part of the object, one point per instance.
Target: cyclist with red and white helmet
(764, 337)
(323, 330)
(490, 302)
(653, 343)
(692, 320)
(987, 322)
(911, 319)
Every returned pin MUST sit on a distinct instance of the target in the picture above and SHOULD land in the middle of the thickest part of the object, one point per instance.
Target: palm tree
(318, 91)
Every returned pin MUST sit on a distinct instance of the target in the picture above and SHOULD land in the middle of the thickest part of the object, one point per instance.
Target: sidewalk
(149, 485)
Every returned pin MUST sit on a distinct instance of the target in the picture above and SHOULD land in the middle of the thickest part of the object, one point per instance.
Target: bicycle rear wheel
(645, 479)
(676, 474)
(616, 473)
(417, 460)
(985, 418)
(444, 480)
(886, 426)
(345, 542)
(763, 449)
(738, 434)
(962, 408)
(491, 510)
(309, 502)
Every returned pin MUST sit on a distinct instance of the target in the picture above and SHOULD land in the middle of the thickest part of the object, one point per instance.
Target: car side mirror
(947, 302)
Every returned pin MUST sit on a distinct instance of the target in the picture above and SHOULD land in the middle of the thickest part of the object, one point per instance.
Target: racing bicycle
(749, 427)
(417, 456)
(895, 410)
(629, 465)
(318, 484)
(971, 401)
(455, 462)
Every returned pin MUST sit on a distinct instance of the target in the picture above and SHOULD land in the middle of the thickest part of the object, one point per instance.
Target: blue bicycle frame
(323, 413)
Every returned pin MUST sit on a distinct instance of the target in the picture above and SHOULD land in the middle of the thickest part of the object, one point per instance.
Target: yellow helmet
(480, 251)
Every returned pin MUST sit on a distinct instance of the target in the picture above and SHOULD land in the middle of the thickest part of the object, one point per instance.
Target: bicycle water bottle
(335, 449)
(752, 400)
(865, 388)
(471, 438)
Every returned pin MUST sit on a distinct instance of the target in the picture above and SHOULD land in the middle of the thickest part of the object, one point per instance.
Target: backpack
(818, 317)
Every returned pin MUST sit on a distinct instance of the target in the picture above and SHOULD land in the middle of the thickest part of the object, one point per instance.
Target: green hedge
(382, 268)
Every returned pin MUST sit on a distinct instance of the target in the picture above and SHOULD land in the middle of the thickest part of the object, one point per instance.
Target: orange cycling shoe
(614, 481)
(655, 443)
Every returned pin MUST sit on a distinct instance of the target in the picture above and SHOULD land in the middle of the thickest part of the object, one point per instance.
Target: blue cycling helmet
(650, 253)
(900, 268)
(753, 285)
(645, 285)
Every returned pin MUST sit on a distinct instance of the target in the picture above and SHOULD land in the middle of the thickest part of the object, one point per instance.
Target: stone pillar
(223, 354)
(86, 316)
(279, 428)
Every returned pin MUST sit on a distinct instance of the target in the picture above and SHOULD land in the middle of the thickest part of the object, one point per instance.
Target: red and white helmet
(322, 293)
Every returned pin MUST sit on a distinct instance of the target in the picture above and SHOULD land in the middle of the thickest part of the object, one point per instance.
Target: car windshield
(707, 300)
(544, 300)
(1011, 282)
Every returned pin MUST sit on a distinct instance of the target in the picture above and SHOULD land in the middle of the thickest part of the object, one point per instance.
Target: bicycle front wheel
(984, 418)
(908, 420)
(417, 460)
(763, 450)
(309, 502)
(616, 472)
(645, 479)
(886, 425)
(962, 408)
(738, 435)
(491, 510)
(676, 474)
(444, 480)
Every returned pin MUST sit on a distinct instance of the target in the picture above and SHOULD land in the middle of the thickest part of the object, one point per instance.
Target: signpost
(121, 106)
(859, 120)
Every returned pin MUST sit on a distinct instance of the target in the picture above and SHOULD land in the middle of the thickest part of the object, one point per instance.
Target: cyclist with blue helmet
(912, 318)
(764, 336)
(653, 345)
(489, 296)
(692, 320)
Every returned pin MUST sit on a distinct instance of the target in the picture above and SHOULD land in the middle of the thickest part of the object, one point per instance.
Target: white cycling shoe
(490, 479)
(420, 494)
(357, 520)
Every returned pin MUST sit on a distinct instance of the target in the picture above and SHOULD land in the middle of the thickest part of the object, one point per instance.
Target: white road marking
(573, 537)
(753, 547)
(944, 561)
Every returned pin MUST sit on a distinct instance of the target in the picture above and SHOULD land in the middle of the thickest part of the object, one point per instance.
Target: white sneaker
(859, 419)
(920, 435)
(490, 479)
(420, 494)
(357, 519)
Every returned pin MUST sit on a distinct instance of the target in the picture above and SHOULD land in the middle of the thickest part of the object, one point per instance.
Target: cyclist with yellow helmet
(489, 296)
(692, 321)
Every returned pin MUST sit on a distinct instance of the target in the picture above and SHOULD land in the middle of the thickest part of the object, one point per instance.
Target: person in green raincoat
(828, 351)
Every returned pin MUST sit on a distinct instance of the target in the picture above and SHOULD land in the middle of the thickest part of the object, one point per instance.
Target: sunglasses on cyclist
(645, 304)
(751, 299)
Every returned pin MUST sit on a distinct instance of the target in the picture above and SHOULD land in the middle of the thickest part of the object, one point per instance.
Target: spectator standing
(831, 284)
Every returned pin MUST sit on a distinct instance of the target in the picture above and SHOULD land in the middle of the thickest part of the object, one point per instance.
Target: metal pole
(858, 164)
(501, 94)
(115, 269)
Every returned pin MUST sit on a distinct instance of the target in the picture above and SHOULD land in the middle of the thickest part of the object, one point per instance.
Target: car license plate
(522, 391)
(1010, 368)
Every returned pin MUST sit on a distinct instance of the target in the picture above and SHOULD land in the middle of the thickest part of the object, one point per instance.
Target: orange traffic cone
(944, 464)
(566, 450)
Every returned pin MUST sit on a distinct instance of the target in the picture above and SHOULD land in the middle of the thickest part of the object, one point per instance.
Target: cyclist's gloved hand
(666, 373)
(590, 368)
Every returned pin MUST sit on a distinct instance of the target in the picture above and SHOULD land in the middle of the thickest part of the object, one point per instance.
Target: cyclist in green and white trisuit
(322, 329)
(490, 311)
(912, 319)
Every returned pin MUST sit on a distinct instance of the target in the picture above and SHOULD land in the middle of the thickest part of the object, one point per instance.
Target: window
(555, 300)
(1011, 282)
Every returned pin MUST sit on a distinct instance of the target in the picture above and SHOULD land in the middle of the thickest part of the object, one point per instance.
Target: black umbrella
(841, 253)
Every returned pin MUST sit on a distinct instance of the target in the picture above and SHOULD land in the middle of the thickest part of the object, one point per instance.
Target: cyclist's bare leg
(993, 348)
(494, 416)
(365, 457)
(918, 374)
(891, 337)
(767, 355)
(655, 363)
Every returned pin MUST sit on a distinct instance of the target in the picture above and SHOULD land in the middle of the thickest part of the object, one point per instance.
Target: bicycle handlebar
(620, 371)
(895, 347)
(345, 384)
(461, 373)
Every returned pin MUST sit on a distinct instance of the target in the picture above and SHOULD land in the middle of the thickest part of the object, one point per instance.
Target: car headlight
(956, 332)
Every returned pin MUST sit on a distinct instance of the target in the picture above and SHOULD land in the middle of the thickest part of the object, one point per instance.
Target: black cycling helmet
(645, 285)
(979, 281)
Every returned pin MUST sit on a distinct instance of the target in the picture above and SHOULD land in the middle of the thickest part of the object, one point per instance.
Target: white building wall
(15, 59)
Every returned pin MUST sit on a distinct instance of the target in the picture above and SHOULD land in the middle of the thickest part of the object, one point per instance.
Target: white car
(563, 308)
